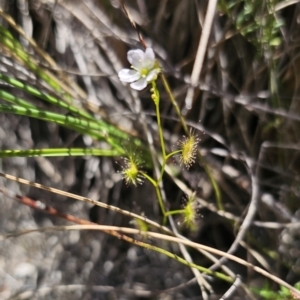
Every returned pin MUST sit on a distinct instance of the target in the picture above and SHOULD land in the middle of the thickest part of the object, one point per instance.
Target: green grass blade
(55, 152)
(16, 49)
(100, 131)
(15, 100)
(97, 123)
(44, 96)
(60, 119)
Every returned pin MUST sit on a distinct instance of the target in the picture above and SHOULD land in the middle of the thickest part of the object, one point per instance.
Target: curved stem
(165, 162)
(173, 153)
(157, 190)
(174, 212)
(149, 178)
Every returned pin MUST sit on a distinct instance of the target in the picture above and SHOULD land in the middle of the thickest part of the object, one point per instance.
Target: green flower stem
(172, 154)
(157, 190)
(165, 162)
(156, 99)
(160, 201)
(173, 101)
(187, 132)
(175, 212)
(149, 178)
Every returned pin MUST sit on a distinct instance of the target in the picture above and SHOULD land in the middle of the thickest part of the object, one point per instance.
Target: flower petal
(139, 85)
(152, 74)
(149, 54)
(149, 58)
(136, 58)
(128, 75)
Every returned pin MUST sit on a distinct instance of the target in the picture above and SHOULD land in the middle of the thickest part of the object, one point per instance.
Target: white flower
(144, 68)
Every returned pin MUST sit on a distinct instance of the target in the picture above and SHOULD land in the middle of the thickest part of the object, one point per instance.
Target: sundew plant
(144, 71)
(149, 149)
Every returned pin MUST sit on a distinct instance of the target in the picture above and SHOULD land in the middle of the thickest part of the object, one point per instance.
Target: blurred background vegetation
(59, 89)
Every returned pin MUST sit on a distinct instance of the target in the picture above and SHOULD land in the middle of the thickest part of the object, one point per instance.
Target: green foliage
(282, 294)
(256, 20)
